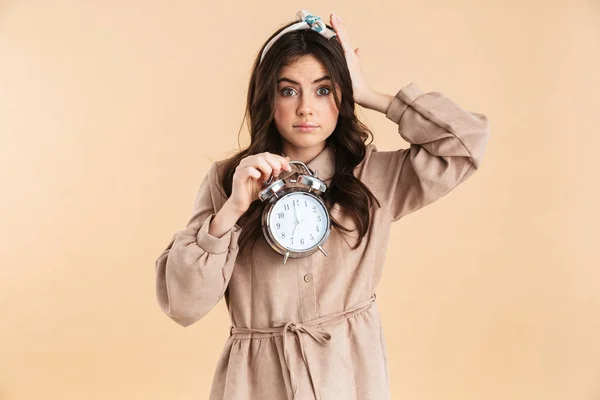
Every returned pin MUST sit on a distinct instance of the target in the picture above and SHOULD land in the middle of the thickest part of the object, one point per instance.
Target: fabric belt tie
(310, 328)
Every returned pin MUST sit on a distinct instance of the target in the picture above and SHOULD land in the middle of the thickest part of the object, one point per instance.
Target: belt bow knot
(313, 328)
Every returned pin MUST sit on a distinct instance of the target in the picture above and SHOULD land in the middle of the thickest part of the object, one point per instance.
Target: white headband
(307, 21)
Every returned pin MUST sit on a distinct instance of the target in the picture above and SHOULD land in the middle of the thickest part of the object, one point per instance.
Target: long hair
(348, 140)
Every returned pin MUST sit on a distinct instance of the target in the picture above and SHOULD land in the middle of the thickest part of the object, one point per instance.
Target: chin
(306, 141)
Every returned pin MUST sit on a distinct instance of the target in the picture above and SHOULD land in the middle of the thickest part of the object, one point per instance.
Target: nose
(305, 106)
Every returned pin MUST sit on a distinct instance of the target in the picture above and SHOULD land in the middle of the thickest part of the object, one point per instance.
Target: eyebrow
(284, 79)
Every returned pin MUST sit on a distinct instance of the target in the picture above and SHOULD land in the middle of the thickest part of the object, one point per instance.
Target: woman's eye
(289, 91)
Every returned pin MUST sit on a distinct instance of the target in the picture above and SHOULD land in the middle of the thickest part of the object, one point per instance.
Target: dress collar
(324, 162)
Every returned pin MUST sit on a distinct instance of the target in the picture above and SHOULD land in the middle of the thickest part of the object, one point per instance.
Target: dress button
(307, 278)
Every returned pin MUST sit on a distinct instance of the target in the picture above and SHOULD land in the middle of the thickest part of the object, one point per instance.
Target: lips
(306, 125)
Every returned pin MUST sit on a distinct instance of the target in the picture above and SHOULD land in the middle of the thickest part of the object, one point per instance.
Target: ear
(357, 52)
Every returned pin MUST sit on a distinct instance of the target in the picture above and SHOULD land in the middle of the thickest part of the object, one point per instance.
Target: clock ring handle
(268, 182)
(304, 165)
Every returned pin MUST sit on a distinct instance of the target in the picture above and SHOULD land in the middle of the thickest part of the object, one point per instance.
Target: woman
(310, 328)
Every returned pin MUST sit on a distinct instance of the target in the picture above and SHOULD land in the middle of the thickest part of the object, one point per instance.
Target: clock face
(298, 221)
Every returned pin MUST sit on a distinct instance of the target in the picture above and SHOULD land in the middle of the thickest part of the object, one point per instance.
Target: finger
(263, 166)
(284, 161)
(276, 162)
(245, 175)
(338, 26)
(253, 173)
(288, 167)
(334, 17)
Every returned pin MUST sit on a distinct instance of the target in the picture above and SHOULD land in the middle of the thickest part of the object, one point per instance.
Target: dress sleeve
(193, 272)
(447, 144)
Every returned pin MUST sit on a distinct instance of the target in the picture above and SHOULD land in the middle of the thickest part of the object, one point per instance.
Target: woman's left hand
(359, 84)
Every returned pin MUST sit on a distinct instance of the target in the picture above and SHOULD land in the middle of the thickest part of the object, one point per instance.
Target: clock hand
(295, 210)
(298, 217)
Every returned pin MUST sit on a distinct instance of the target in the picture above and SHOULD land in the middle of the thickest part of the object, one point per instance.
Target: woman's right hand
(249, 177)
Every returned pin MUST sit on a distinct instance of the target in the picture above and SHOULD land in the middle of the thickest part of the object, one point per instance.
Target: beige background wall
(112, 111)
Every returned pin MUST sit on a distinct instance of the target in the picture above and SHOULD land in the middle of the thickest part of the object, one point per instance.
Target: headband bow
(307, 21)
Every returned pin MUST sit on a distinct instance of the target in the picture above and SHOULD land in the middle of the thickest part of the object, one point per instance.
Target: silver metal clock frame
(276, 191)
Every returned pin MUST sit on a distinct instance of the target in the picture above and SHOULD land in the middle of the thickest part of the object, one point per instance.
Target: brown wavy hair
(348, 140)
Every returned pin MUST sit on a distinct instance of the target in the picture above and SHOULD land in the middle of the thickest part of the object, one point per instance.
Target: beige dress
(310, 328)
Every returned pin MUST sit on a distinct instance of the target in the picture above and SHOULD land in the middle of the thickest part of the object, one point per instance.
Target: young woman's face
(305, 95)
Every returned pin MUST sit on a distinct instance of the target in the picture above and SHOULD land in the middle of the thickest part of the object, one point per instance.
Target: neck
(305, 155)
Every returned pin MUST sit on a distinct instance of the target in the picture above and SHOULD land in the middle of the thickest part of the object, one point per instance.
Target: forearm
(375, 100)
(224, 220)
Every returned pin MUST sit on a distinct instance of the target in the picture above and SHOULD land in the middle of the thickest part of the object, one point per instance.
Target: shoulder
(370, 153)
(213, 178)
(217, 170)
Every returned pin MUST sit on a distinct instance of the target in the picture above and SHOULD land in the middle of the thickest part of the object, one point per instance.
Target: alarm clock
(295, 221)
